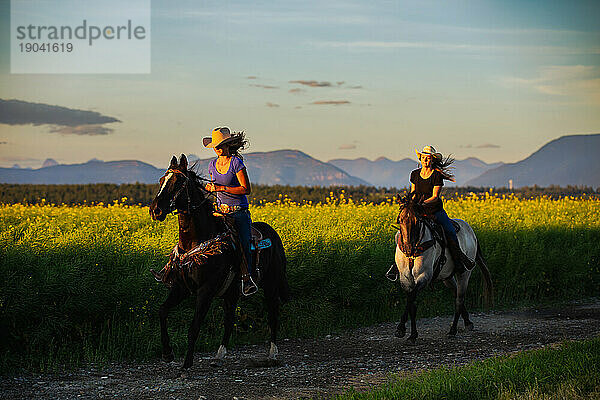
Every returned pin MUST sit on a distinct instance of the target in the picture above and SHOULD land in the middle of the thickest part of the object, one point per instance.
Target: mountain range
(569, 160)
(384, 172)
(281, 167)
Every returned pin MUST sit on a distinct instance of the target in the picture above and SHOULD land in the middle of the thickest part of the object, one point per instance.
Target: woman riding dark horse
(231, 183)
(206, 259)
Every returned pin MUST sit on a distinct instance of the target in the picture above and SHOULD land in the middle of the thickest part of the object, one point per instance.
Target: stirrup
(392, 273)
(157, 275)
(248, 286)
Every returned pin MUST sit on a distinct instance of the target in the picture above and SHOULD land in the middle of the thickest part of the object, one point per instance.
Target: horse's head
(176, 190)
(408, 224)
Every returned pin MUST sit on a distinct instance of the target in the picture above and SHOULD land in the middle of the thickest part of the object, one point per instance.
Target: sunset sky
(336, 79)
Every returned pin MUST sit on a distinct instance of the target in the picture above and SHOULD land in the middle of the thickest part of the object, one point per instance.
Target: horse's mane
(409, 205)
(195, 177)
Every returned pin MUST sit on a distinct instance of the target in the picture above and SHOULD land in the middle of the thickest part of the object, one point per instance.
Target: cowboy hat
(429, 150)
(218, 137)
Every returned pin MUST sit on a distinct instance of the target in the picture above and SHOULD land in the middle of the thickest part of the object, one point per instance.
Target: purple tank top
(228, 179)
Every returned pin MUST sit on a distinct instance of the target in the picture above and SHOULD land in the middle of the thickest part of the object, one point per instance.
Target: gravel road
(359, 358)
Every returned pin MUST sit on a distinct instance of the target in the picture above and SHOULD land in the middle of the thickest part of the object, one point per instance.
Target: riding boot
(248, 285)
(461, 261)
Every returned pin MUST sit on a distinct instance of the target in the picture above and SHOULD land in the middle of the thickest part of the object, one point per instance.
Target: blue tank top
(228, 179)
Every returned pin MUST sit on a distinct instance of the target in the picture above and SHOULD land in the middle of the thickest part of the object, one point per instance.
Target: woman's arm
(434, 196)
(244, 188)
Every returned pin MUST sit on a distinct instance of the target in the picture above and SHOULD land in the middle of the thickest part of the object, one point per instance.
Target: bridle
(190, 207)
(420, 247)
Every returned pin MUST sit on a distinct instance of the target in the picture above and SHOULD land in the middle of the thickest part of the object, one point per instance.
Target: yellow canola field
(46, 226)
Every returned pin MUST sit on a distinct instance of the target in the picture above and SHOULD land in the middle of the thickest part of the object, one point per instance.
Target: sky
(494, 80)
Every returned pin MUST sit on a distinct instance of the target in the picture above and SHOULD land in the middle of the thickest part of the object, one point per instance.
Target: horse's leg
(176, 296)
(463, 281)
(202, 305)
(451, 283)
(412, 309)
(229, 303)
(401, 329)
(272, 300)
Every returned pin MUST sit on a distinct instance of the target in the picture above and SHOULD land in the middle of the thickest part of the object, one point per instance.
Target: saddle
(257, 243)
(439, 235)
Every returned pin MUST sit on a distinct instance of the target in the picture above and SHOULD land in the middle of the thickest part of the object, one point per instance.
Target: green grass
(571, 370)
(75, 286)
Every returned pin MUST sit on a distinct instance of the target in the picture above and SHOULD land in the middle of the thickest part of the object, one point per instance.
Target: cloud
(340, 83)
(3, 142)
(330, 102)
(17, 112)
(297, 90)
(269, 104)
(88, 129)
(251, 77)
(355, 87)
(312, 83)
(264, 86)
(563, 80)
(347, 147)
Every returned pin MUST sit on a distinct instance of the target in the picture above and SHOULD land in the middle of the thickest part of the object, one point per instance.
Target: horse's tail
(284, 287)
(278, 253)
(488, 287)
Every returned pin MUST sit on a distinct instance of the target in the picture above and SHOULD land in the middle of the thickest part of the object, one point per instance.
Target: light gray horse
(417, 252)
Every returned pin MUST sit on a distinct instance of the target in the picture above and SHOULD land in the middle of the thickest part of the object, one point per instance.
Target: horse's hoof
(184, 374)
(400, 333)
(411, 340)
(469, 326)
(452, 333)
(216, 363)
(168, 357)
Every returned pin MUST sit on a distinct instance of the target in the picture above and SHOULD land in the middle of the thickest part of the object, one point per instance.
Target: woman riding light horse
(205, 262)
(420, 252)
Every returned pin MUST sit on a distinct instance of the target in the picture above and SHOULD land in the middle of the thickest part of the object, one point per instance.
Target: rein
(420, 247)
(424, 246)
(190, 207)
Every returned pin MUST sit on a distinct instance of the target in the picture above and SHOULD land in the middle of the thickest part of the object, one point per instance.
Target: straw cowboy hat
(429, 150)
(219, 136)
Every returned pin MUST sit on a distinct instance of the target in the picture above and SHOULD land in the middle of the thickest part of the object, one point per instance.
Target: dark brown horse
(214, 270)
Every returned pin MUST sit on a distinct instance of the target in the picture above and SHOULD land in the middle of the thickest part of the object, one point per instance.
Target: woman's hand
(211, 187)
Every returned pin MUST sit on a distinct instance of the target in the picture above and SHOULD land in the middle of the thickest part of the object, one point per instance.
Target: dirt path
(318, 368)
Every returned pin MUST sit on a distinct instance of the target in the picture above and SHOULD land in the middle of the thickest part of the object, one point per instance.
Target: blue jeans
(243, 224)
(442, 218)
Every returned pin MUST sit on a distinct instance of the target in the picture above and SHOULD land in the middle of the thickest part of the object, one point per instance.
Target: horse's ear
(183, 163)
(173, 162)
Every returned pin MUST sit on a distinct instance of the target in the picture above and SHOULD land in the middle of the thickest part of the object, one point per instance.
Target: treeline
(143, 194)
